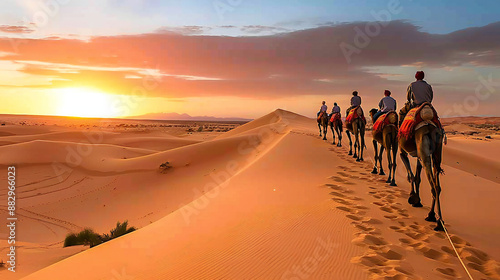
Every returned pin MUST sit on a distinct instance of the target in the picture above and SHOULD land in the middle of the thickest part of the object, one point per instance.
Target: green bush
(119, 230)
(85, 237)
(89, 238)
(71, 240)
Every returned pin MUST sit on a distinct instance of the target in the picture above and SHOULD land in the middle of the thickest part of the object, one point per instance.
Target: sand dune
(267, 200)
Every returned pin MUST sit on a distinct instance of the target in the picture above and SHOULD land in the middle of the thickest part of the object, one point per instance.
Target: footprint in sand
(391, 217)
(342, 201)
(347, 209)
(448, 273)
(354, 217)
(366, 239)
(480, 261)
(335, 187)
(433, 254)
(384, 261)
(386, 209)
(366, 229)
(341, 180)
(338, 194)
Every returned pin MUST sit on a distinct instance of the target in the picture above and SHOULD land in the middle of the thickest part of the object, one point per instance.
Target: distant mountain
(183, 117)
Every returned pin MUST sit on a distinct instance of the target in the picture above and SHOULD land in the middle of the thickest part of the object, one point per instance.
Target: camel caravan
(415, 131)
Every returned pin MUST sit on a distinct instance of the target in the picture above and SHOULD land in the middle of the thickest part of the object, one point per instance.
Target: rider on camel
(386, 105)
(419, 92)
(355, 102)
(335, 109)
(323, 108)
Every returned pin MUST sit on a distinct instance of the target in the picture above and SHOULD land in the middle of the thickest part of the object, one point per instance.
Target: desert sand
(265, 200)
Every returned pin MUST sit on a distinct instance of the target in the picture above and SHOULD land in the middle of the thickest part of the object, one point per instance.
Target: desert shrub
(71, 240)
(120, 229)
(164, 167)
(89, 238)
(85, 237)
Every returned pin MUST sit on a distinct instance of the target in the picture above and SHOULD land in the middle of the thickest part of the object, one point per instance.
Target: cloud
(257, 29)
(185, 30)
(299, 63)
(17, 29)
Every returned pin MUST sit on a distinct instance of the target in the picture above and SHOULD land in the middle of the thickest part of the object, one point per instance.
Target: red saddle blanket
(335, 117)
(384, 120)
(413, 118)
(354, 114)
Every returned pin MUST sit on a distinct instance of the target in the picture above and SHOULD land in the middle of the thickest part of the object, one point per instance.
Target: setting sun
(86, 103)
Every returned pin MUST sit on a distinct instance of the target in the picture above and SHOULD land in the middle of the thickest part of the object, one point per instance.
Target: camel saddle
(354, 114)
(321, 115)
(417, 118)
(335, 117)
(389, 118)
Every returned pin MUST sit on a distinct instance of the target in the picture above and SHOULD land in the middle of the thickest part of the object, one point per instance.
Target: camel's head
(373, 112)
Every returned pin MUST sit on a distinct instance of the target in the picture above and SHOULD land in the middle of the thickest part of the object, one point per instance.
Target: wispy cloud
(257, 29)
(185, 30)
(16, 29)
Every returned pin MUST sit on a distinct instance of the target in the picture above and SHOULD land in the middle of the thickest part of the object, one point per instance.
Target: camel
(388, 140)
(357, 128)
(323, 122)
(427, 146)
(337, 125)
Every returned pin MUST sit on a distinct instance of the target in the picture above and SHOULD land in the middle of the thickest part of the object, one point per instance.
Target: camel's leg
(389, 163)
(440, 222)
(382, 148)
(319, 126)
(339, 134)
(417, 180)
(375, 148)
(355, 131)
(437, 156)
(411, 179)
(424, 154)
(325, 130)
(333, 134)
(350, 141)
(431, 217)
(394, 148)
(363, 145)
(388, 146)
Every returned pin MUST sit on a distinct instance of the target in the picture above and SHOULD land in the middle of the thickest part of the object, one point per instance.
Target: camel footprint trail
(394, 234)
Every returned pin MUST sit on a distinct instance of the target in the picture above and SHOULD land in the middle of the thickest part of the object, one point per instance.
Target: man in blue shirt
(355, 102)
(323, 109)
(385, 105)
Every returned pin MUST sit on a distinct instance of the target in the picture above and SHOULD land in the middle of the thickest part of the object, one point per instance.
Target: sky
(242, 58)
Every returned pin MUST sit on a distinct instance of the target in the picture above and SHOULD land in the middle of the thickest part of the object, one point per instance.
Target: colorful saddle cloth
(416, 118)
(335, 117)
(385, 119)
(354, 114)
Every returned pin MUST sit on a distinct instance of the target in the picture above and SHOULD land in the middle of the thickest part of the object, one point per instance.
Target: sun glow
(86, 103)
